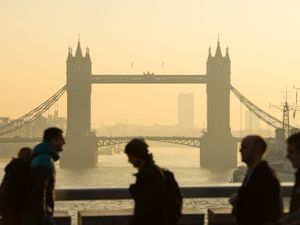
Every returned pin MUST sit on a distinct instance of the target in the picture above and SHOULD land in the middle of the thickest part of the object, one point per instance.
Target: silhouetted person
(12, 190)
(293, 154)
(149, 190)
(40, 204)
(258, 200)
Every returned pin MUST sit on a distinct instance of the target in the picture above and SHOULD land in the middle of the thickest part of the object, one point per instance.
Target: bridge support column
(81, 144)
(80, 152)
(217, 147)
(218, 151)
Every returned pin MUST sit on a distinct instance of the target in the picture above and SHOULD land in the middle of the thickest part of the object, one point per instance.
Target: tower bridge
(218, 146)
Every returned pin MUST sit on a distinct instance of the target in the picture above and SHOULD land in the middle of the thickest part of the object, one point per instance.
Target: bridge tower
(218, 147)
(81, 143)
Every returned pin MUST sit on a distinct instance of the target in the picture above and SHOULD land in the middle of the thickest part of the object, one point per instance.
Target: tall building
(186, 115)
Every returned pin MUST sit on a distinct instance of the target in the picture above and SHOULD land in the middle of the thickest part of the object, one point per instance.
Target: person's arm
(233, 200)
(272, 201)
(149, 199)
(39, 191)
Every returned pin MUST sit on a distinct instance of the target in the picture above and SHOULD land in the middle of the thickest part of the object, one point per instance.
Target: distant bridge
(187, 141)
(20, 139)
(104, 141)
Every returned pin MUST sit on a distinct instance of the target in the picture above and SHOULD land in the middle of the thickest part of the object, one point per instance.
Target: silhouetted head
(293, 150)
(252, 149)
(55, 137)
(137, 151)
(25, 153)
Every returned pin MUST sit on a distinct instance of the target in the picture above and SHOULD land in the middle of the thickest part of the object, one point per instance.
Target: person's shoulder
(153, 170)
(267, 173)
(42, 160)
(12, 165)
(264, 167)
(44, 146)
(268, 169)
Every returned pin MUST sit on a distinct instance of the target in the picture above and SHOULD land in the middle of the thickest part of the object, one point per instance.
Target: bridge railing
(217, 191)
(148, 79)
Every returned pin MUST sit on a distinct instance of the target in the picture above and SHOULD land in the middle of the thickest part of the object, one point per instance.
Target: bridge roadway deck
(110, 140)
(20, 139)
(149, 79)
(219, 191)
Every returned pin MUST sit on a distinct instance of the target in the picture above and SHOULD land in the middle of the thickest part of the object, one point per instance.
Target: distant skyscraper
(251, 122)
(186, 110)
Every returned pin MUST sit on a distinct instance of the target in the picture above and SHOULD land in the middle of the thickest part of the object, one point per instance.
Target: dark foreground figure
(258, 201)
(12, 189)
(40, 204)
(156, 194)
(293, 154)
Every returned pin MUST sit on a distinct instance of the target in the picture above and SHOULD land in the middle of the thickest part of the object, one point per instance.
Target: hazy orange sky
(263, 39)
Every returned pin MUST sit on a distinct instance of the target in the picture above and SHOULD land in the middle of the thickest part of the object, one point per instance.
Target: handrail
(218, 191)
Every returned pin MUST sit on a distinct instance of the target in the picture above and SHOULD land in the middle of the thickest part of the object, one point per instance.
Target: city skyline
(262, 47)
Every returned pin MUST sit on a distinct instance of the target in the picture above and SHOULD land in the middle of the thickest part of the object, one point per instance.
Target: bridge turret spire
(87, 54)
(218, 50)
(70, 56)
(209, 58)
(227, 54)
(78, 50)
(209, 52)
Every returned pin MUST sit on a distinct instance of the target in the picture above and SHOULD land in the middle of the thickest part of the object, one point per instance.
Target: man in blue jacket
(42, 178)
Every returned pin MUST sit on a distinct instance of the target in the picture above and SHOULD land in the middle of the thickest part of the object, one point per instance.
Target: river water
(115, 171)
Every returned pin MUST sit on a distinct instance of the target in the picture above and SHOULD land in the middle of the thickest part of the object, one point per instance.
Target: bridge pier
(217, 146)
(80, 152)
(218, 151)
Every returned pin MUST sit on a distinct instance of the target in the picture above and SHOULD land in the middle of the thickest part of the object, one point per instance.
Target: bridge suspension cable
(261, 114)
(32, 115)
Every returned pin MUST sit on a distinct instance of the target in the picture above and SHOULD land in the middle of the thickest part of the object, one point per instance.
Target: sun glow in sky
(263, 39)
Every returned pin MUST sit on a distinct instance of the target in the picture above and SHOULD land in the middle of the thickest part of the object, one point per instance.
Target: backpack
(173, 198)
(14, 185)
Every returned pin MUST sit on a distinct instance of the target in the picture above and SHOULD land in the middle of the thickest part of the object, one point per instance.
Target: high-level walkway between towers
(149, 79)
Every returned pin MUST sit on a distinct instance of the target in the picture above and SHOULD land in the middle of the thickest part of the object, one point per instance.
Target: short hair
(295, 140)
(137, 147)
(24, 153)
(52, 133)
(258, 142)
